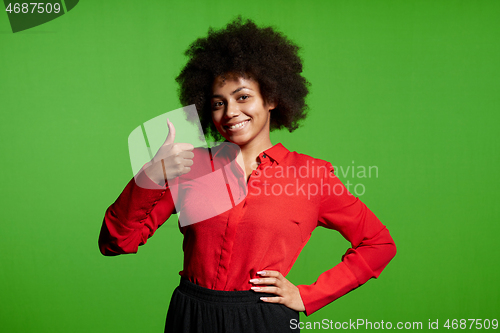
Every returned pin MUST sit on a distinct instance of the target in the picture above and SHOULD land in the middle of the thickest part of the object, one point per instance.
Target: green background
(411, 87)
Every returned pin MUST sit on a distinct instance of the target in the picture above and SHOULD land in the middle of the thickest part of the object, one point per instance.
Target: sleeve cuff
(142, 180)
(330, 285)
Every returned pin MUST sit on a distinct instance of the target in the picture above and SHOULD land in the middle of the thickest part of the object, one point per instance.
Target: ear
(271, 105)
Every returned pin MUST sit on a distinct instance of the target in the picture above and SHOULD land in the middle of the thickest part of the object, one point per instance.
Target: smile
(237, 126)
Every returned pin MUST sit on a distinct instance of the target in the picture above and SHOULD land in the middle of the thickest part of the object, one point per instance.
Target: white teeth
(238, 125)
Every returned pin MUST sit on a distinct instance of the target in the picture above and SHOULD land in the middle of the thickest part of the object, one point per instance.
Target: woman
(246, 81)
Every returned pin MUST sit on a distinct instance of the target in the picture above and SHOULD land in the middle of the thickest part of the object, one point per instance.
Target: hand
(171, 160)
(288, 293)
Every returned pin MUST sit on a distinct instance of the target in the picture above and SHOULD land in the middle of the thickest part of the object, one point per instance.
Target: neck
(251, 150)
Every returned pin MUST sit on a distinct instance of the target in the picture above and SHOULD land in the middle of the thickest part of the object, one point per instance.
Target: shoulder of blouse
(296, 158)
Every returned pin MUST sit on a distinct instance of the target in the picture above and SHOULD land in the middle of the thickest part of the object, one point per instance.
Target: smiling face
(239, 111)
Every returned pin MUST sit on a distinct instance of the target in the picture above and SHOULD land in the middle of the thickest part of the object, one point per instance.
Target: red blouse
(261, 225)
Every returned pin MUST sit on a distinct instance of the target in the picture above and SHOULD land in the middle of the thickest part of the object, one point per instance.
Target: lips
(236, 126)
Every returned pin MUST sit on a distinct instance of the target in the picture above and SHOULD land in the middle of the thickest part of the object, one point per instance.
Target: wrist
(155, 173)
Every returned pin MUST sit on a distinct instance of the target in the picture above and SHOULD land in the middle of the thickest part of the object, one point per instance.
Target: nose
(232, 110)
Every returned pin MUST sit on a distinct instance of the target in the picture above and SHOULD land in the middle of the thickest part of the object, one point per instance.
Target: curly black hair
(243, 48)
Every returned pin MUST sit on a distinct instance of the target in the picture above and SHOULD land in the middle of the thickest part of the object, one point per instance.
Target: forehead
(230, 81)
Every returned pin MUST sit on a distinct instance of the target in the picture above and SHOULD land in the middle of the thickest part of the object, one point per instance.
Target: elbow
(106, 251)
(110, 247)
(113, 242)
(393, 250)
(389, 247)
(393, 246)
(107, 247)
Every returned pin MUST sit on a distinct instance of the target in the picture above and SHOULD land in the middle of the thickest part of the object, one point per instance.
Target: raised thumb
(171, 133)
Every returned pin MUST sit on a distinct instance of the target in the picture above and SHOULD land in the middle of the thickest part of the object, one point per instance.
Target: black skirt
(195, 309)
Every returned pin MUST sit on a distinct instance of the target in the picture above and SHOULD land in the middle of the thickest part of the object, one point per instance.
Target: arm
(372, 245)
(144, 205)
(135, 216)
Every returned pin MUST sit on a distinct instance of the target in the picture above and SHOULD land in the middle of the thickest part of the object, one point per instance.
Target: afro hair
(244, 49)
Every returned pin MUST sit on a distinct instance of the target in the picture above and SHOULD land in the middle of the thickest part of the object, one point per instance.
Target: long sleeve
(372, 245)
(135, 216)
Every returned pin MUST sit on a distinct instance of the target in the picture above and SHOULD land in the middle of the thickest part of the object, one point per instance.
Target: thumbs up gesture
(171, 160)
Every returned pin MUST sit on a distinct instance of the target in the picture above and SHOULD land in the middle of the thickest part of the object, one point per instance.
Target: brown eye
(217, 105)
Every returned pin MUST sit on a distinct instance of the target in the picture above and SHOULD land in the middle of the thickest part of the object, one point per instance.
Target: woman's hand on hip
(288, 293)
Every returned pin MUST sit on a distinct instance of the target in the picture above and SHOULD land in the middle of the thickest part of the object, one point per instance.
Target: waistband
(220, 296)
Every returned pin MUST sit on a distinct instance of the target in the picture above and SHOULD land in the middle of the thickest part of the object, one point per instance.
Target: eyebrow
(234, 92)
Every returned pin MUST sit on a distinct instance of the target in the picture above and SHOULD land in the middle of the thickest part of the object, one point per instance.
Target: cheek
(215, 118)
(258, 112)
(251, 109)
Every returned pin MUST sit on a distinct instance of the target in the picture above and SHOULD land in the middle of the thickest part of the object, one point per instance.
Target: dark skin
(242, 117)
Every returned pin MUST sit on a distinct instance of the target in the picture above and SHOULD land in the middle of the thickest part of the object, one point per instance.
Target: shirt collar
(276, 152)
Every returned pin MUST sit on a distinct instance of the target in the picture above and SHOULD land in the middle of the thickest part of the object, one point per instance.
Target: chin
(237, 142)
(240, 141)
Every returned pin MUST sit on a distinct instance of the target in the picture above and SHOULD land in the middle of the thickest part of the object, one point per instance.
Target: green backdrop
(411, 87)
